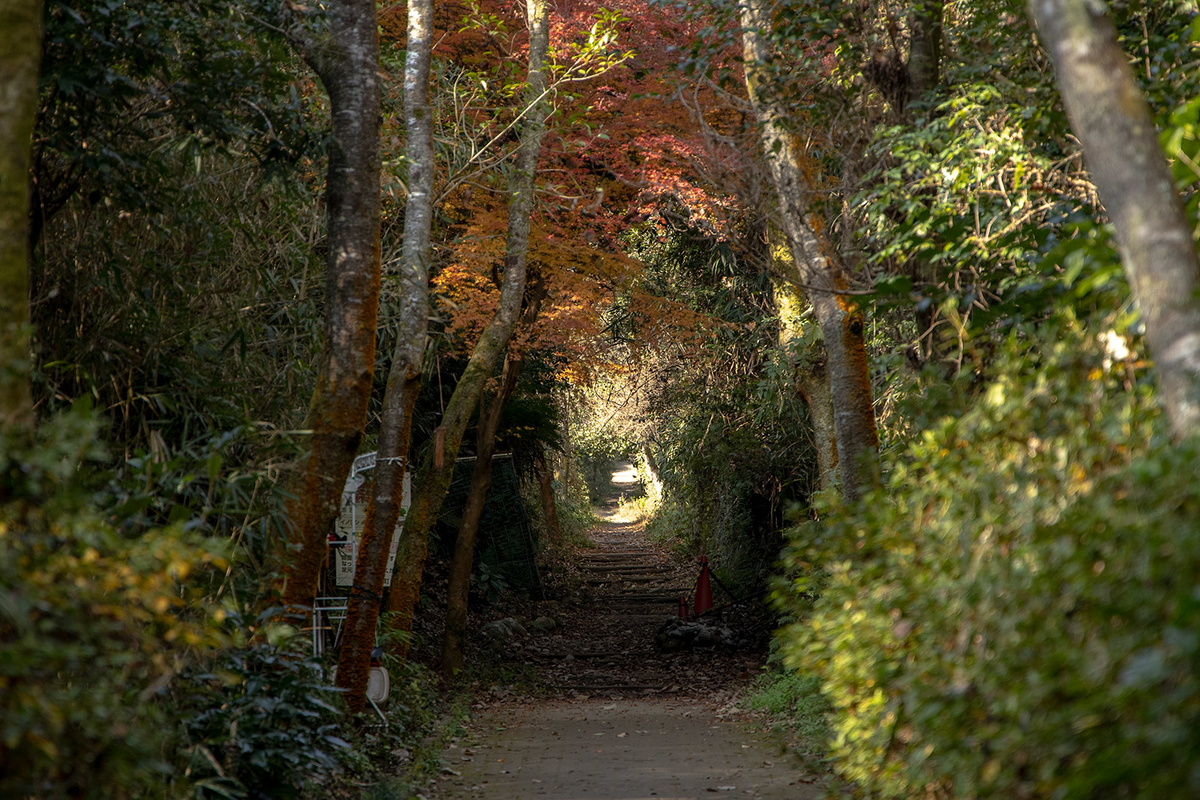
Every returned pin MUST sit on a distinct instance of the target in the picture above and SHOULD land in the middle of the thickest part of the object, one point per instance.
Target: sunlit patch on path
(626, 475)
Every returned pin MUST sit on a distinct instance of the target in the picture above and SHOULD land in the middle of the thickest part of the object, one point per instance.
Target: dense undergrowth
(1014, 613)
(128, 670)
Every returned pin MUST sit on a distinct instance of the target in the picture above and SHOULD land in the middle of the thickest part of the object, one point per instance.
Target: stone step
(646, 559)
(622, 579)
(646, 599)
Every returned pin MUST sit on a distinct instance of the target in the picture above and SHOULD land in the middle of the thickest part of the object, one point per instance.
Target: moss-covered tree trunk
(1108, 113)
(818, 264)
(20, 54)
(346, 59)
(404, 378)
(433, 481)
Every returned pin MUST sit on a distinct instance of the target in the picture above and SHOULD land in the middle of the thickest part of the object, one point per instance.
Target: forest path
(598, 749)
(613, 718)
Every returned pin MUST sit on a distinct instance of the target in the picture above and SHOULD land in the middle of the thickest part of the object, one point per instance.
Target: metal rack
(329, 614)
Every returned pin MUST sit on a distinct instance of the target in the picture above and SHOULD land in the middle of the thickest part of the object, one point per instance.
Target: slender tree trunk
(813, 381)
(813, 378)
(924, 48)
(924, 75)
(568, 453)
(20, 55)
(404, 378)
(457, 595)
(656, 481)
(545, 478)
(457, 598)
(433, 483)
(346, 59)
(1120, 144)
(842, 325)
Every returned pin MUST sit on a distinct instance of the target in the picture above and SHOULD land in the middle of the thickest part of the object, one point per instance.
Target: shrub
(1016, 612)
(92, 625)
(259, 723)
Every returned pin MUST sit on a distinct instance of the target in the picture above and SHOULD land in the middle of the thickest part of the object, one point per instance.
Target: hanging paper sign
(343, 564)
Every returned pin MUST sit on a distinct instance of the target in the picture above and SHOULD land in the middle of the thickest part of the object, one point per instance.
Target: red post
(683, 609)
(704, 600)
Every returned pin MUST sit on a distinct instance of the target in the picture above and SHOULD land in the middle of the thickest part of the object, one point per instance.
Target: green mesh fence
(506, 541)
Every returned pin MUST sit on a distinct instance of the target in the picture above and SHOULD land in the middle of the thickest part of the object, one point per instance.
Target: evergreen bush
(260, 723)
(93, 625)
(1016, 612)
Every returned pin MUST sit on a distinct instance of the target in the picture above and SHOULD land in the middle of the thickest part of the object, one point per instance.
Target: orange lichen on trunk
(338, 411)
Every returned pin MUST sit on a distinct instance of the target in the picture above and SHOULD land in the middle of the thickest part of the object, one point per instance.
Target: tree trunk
(432, 483)
(656, 482)
(347, 61)
(545, 480)
(842, 325)
(1120, 144)
(924, 48)
(404, 378)
(20, 55)
(568, 453)
(458, 591)
(813, 378)
(457, 596)
(814, 386)
(924, 75)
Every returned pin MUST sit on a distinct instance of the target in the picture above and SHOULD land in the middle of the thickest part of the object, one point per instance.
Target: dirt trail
(631, 586)
(616, 718)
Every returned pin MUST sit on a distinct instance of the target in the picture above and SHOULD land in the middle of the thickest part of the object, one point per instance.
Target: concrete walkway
(598, 749)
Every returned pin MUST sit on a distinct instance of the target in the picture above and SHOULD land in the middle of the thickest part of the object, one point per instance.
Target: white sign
(343, 554)
(350, 521)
